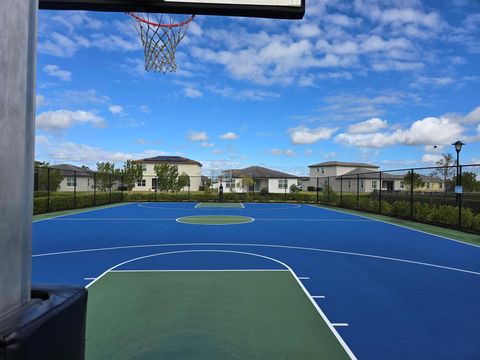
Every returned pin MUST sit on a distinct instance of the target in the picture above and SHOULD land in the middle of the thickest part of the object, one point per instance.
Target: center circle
(215, 220)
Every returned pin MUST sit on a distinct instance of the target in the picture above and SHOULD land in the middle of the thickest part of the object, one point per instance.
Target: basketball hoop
(160, 35)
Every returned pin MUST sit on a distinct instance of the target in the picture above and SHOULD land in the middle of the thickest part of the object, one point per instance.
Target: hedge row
(64, 202)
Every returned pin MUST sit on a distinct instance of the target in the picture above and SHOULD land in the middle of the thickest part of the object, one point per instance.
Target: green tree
(294, 188)
(469, 181)
(417, 181)
(47, 178)
(132, 173)
(446, 169)
(105, 170)
(245, 182)
(167, 177)
(183, 181)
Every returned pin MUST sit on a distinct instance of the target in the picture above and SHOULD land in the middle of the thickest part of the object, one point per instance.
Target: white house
(350, 177)
(75, 178)
(271, 180)
(190, 167)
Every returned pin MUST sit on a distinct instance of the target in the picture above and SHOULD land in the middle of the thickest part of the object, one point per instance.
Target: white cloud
(145, 109)
(431, 158)
(192, 92)
(115, 109)
(197, 136)
(55, 71)
(305, 135)
(207, 144)
(368, 126)
(39, 100)
(287, 152)
(218, 151)
(63, 119)
(243, 94)
(229, 136)
(428, 131)
(41, 140)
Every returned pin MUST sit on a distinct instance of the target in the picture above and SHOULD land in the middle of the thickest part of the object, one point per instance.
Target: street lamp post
(458, 192)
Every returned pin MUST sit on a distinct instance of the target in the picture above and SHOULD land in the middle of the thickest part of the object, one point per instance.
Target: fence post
(316, 189)
(188, 189)
(460, 198)
(121, 187)
(341, 191)
(156, 189)
(411, 194)
(358, 191)
(110, 188)
(94, 189)
(253, 195)
(380, 195)
(48, 189)
(74, 189)
(328, 191)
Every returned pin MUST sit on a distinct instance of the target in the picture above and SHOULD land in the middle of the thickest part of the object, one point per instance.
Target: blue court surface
(387, 292)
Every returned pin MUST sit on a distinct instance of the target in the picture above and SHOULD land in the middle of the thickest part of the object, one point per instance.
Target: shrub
(310, 188)
(294, 188)
(263, 191)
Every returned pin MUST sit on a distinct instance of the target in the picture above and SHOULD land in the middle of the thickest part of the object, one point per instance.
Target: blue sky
(364, 80)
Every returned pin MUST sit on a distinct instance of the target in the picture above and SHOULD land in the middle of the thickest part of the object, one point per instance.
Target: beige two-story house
(184, 165)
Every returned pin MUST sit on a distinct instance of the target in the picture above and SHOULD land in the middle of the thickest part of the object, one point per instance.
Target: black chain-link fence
(432, 195)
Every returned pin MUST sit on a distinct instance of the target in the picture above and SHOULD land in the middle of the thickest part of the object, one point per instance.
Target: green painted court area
(220, 205)
(215, 219)
(205, 315)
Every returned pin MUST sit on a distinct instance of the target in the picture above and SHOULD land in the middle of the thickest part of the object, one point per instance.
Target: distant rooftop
(260, 172)
(169, 160)
(68, 170)
(341, 163)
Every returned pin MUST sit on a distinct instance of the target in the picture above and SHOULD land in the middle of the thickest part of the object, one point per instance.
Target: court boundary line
(142, 205)
(344, 345)
(195, 270)
(82, 211)
(172, 219)
(393, 224)
(338, 252)
(242, 223)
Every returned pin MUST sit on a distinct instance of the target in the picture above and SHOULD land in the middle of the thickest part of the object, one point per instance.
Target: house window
(362, 184)
(402, 184)
(71, 181)
(349, 184)
(323, 171)
(318, 170)
(282, 183)
(428, 185)
(440, 185)
(144, 167)
(374, 184)
(142, 183)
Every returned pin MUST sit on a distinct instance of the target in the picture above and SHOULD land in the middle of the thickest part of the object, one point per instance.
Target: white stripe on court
(318, 297)
(288, 268)
(339, 324)
(102, 207)
(171, 219)
(89, 278)
(262, 245)
(197, 270)
(304, 278)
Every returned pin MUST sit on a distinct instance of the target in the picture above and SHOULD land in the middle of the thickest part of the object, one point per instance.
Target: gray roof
(368, 174)
(260, 172)
(341, 163)
(70, 170)
(169, 160)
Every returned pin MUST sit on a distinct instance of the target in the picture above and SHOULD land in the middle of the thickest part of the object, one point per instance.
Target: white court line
(196, 206)
(339, 324)
(319, 297)
(167, 219)
(390, 223)
(314, 303)
(197, 270)
(243, 206)
(84, 211)
(304, 278)
(199, 216)
(262, 245)
(89, 278)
